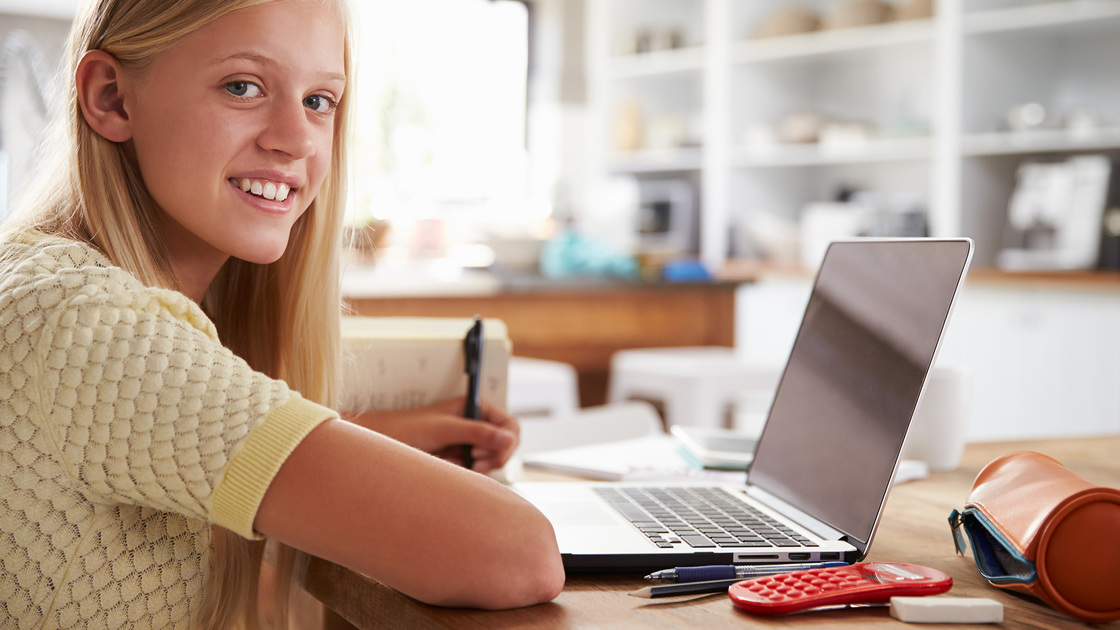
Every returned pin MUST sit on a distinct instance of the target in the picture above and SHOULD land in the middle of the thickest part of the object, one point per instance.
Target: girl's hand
(441, 429)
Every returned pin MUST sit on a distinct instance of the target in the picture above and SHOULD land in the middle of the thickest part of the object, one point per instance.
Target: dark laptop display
(853, 378)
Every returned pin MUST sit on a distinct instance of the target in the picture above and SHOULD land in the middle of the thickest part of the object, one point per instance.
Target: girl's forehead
(305, 32)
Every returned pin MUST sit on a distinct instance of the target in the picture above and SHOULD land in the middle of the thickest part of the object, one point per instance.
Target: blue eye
(319, 103)
(243, 89)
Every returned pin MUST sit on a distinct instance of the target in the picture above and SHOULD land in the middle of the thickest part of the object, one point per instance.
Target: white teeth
(276, 191)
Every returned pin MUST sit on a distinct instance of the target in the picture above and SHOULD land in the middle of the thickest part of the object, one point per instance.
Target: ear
(101, 96)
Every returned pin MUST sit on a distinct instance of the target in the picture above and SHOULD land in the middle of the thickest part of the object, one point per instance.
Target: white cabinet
(1044, 361)
(918, 108)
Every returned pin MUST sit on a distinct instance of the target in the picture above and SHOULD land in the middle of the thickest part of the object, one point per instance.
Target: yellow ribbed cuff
(249, 473)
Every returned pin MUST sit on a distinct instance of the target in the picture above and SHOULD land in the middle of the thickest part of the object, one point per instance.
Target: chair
(695, 385)
(540, 388)
(591, 425)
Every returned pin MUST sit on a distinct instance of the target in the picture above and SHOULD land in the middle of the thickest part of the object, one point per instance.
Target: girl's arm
(428, 528)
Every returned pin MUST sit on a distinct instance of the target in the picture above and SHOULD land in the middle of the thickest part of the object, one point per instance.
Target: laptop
(825, 461)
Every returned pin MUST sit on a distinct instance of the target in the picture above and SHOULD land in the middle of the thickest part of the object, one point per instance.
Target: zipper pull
(956, 519)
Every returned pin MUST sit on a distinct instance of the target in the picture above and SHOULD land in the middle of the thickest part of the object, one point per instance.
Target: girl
(169, 288)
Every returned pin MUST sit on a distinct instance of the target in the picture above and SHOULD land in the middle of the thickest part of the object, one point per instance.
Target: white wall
(1042, 359)
(20, 118)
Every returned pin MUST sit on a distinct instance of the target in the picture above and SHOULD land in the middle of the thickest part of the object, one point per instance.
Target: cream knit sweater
(126, 430)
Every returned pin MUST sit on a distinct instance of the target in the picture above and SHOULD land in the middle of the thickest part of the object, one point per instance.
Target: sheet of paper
(648, 458)
(654, 458)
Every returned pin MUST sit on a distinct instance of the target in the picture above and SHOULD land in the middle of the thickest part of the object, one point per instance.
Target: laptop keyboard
(702, 517)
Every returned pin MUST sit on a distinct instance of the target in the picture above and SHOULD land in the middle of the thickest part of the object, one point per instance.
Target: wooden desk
(584, 324)
(913, 529)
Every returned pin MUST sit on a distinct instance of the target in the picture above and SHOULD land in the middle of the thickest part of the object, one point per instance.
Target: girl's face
(232, 129)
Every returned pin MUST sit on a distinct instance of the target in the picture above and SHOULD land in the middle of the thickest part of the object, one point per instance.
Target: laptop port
(830, 556)
(752, 559)
(799, 556)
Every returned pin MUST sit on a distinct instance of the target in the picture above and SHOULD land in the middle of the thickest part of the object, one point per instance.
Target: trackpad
(577, 514)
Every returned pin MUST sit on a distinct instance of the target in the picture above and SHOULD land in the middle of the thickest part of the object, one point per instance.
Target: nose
(288, 130)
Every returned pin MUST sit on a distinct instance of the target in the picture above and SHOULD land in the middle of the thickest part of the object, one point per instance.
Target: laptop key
(698, 541)
(631, 512)
(785, 543)
(778, 539)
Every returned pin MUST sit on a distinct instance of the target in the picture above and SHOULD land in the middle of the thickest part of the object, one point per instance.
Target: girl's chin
(263, 254)
(260, 259)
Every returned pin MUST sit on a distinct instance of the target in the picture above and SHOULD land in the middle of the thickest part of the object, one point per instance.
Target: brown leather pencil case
(1039, 528)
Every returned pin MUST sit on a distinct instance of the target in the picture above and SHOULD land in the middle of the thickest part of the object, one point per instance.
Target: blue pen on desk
(741, 571)
(472, 353)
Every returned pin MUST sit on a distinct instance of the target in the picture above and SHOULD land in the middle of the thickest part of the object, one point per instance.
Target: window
(442, 119)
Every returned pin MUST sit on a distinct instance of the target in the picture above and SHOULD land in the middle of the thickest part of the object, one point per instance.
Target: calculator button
(802, 590)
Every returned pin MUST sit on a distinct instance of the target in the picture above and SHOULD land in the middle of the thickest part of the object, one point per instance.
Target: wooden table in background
(583, 324)
(914, 529)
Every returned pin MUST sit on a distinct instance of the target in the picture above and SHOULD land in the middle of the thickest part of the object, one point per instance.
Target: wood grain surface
(913, 529)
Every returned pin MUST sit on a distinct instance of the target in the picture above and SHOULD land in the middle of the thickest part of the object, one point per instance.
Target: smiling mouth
(273, 191)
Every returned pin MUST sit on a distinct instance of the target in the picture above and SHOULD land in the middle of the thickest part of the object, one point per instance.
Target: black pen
(741, 571)
(472, 353)
(685, 588)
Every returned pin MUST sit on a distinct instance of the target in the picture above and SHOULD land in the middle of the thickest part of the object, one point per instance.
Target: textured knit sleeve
(148, 408)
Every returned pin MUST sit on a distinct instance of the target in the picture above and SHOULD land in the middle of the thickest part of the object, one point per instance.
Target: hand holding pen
(440, 428)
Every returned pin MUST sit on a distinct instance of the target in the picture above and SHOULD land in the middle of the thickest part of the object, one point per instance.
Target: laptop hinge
(818, 527)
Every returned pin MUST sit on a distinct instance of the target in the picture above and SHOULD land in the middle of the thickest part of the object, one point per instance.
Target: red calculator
(867, 583)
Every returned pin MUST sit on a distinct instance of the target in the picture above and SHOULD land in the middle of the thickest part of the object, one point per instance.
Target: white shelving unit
(935, 93)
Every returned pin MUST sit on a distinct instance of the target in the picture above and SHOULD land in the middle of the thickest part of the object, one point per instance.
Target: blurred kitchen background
(543, 160)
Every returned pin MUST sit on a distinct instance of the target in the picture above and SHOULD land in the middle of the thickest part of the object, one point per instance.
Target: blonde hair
(89, 189)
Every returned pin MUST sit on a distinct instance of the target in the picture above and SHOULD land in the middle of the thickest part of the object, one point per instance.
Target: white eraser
(946, 610)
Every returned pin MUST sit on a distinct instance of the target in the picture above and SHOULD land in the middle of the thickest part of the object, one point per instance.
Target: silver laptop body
(828, 454)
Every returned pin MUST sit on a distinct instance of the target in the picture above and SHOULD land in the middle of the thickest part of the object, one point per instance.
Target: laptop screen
(856, 369)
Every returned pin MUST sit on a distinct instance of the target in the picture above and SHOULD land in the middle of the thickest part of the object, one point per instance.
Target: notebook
(831, 445)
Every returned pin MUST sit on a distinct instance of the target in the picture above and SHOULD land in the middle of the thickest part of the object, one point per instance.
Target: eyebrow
(269, 61)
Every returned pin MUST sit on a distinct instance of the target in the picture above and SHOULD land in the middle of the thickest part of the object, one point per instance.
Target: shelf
(957, 73)
(883, 150)
(1055, 141)
(751, 270)
(1053, 15)
(658, 63)
(833, 42)
(656, 160)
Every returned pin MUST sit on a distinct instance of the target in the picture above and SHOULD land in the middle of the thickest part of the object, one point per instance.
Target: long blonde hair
(89, 189)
